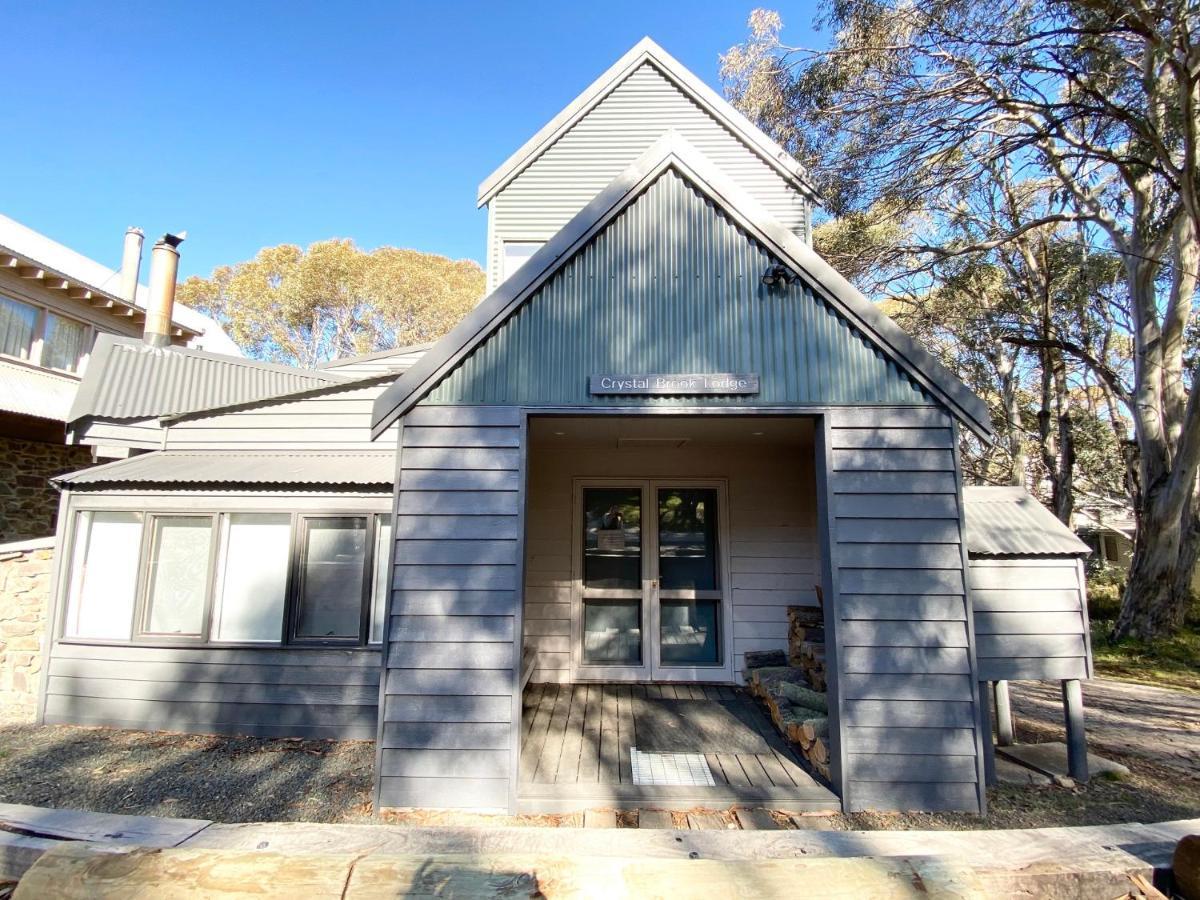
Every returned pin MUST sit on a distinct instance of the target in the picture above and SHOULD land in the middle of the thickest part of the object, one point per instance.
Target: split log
(803, 696)
(815, 728)
(761, 659)
(1185, 864)
(819, 752)
(812, 616)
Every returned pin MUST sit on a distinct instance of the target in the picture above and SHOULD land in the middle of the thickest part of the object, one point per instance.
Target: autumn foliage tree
(307, 306)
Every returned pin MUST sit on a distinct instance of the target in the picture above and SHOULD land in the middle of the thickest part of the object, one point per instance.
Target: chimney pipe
(164, 269)
(131, 263)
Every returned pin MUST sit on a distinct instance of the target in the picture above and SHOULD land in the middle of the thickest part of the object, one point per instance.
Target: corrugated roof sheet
(1009, 521)
(127, 379)
(36, 392)
(317, 467)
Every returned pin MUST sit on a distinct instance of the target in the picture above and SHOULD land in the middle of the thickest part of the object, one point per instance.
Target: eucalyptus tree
(912, 101)
(307, 306)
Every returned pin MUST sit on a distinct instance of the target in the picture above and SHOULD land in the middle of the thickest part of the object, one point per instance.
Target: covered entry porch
(667, 746)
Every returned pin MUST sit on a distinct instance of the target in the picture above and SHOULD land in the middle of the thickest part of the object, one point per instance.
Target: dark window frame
(140, 637)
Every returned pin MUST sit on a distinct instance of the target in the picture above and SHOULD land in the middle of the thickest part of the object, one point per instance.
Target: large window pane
(688, 631)
(104, 562)
(687, 539)
(612, 538)
(63, 346)
(178, 578)
(252, 574)
(333, 570)
(379, 589)
(612, 632)
(18, 322)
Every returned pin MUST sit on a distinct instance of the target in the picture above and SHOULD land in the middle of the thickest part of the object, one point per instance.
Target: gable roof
(396, 359)
(647, 51)
(36, 249)
(1009, 521)
(671, 151)
(128, 379)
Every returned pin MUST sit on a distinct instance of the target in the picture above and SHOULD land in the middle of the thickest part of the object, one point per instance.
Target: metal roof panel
(1009, 521)
(176, 467)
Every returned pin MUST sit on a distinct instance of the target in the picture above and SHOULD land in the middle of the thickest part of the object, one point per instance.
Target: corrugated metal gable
(673, 285)
(638, 111)
(1009, 521)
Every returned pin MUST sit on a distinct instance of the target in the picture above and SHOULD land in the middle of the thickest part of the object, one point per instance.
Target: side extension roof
(672, 151)
(127, 379)
(646, 50)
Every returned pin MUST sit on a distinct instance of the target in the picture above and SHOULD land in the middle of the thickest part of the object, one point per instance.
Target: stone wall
(28, 504)
(24, 599)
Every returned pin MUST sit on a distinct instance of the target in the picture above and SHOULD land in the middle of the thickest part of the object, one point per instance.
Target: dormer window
(516, 254)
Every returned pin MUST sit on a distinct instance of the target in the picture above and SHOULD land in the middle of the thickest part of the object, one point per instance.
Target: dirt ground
(247, 780)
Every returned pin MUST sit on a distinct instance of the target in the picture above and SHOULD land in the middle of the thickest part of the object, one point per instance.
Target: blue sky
(252, 124)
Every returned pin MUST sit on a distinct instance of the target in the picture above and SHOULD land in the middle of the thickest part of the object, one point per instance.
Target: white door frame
(651, 668)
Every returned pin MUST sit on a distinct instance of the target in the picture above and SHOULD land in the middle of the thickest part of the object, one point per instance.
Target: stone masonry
(24, 598)
(28, 503)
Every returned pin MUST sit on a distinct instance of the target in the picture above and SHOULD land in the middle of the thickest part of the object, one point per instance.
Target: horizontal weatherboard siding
(1030, 618)
(446, 731)
(905, 680)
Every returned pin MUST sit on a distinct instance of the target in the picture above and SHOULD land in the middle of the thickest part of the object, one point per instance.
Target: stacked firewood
(798, 711)
(806, 643)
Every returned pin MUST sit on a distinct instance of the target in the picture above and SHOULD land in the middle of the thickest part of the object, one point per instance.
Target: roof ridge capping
(648, 50)
(673, 151)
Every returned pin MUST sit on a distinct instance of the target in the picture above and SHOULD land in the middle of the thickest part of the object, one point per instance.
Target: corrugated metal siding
(1030, 619)
(36, 392)
(905, 682)
(214, 467)
(130, 380)
(613, 134)
(1009, 521)
(672, 285)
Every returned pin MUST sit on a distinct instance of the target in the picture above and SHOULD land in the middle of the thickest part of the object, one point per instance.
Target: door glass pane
(253, 572)
(612, 632)
(687, 539)
(334, 560)
(689, 632)
(179, 574)
(612, 538)
(104, 563)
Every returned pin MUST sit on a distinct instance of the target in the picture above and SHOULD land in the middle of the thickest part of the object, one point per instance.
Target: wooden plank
(1015, 600)
(627, 737)
(898, 531)
(424, 708)
(886, 438)
(249, 694)
(894, 506)
(457, 527)
(915, 581)
(899, 556)
(775, 771)
(1036, 623)
(915, 483)
(458, 479)
(754, 770)
(1031, 578)
(445, 793)
(610, 772)
(547, 766)
(430, 763)
(892, 460)
(212, 673)
(453, 603)
(705, 821)
(755, 820)
(276, 656)
(204, 717)
(477, 458)
(444, 417)
(893, 767)
(905, 687)
(572, 748)
(731, 769)
(589, 751)
(906, 660)
(475, 682)
(461, 437)
(450, 629)
(449, 655)
(535, 741)
(442, 551)
(655, 818)
(81, 825)
(530, 698)
(921, 796)
(1037, 668)
(876, 418)
(457, 503)
(456, 578)
(936, 635)
(941, 742)
(908, 713)
(715, 767)
(599, 818)
(914, 607)
(445, 735)
(1024, 645)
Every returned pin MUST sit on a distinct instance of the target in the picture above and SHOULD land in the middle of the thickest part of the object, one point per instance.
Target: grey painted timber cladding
(1030, 619)
(597, 147)
(673, 285)
(905, 675)
(268, 692)
(447, 728)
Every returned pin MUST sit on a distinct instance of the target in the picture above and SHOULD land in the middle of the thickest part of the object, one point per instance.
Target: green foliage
(1105, 585)
(308, 306)
(1172, 661)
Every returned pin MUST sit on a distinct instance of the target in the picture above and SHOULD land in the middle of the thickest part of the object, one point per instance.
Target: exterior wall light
(778, 274)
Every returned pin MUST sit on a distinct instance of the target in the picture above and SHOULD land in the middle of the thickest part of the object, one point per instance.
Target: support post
(989, 750)
(1077, 762)
(1004, 720)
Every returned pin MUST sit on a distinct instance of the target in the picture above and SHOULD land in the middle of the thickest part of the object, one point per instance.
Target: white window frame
(38, 342)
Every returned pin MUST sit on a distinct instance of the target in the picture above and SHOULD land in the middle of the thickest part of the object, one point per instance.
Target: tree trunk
(1189, 553)
(1153, 607)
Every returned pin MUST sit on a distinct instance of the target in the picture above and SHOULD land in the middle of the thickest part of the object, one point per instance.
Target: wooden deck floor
(576, 744)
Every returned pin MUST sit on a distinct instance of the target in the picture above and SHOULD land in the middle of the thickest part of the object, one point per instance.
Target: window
(103, 578)
(333, 562)
(18, 325)
(516, 254)
(64, 344)
(228, 578)
(252, 573)
(42, 337)
(180, 547)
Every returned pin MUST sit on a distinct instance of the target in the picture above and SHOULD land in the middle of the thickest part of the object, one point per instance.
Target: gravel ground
(253, 780)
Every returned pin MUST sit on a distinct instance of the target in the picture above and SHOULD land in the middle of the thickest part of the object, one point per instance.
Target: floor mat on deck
(694, 726)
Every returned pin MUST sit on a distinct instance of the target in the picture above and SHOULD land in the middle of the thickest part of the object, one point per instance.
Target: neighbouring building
(529, 560)
(54, 303)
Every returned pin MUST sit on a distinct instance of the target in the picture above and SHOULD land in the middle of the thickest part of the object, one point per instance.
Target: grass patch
(1173, 662)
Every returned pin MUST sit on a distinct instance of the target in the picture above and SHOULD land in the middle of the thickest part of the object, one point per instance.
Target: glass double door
(650, 582)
